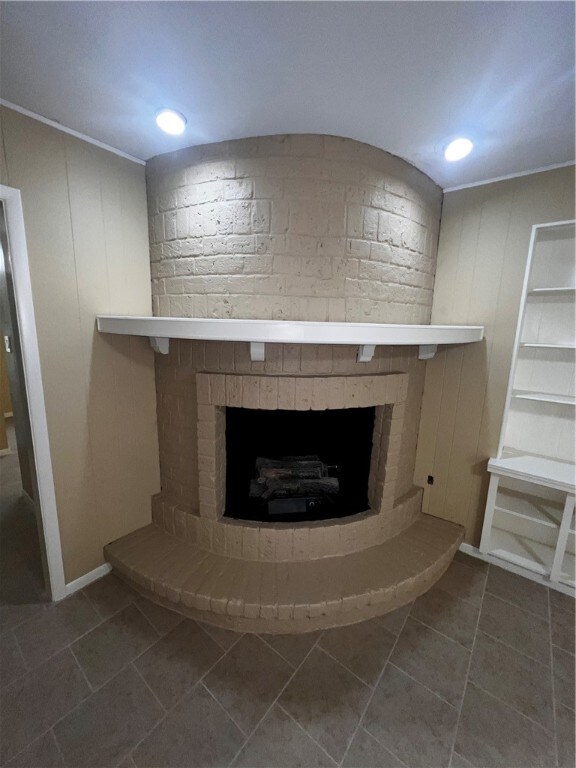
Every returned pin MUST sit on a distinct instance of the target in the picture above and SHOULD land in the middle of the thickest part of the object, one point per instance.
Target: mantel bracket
(257, 351)
(365, 353)
(427, 351)
(160, 344)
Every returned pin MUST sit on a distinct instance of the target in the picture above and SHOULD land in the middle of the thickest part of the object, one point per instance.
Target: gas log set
(294, 485)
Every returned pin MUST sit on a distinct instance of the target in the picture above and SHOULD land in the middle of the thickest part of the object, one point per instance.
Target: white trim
(545, 168)
(87, 578)
(468, 549)
(70, 131)
(34, 388)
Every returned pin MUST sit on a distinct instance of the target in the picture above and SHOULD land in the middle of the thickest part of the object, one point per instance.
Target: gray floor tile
(515, 627)
(518, 590)
(362, 648)
(11, 660)
(394, 620)
(459, 762)
(109, 595)
(473, 562)
(464, 582)
(106, 649)
(36, 701)
(55, 628)
(327, 701)
(292, 647)
(247, 680)
(448, 614)
(224, 637)
(561, 601)
(162, 619)
(43, 753)
(127, 763)
(565, 736)
(366, 752)
(12, 615)
(174, 664)
(435, 661)
(514, 678)
(280, 742)
(493, 735)
(563, 665)
(410, 721)
(197, 733)
(562, 629)
(109, 724)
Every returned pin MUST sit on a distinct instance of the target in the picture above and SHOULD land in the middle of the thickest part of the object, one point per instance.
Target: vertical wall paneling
(85, 218)
(482, 253)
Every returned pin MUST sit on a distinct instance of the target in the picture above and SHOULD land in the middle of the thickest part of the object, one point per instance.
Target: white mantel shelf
(258, 333)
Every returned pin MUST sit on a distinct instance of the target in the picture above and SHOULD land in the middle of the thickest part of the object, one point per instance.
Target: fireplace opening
(292, 466)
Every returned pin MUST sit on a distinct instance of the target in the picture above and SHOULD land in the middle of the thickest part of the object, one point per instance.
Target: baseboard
(88, 578)
(468, 549)
(5, 452)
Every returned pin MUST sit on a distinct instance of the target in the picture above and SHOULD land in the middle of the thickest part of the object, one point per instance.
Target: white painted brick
(242, 189)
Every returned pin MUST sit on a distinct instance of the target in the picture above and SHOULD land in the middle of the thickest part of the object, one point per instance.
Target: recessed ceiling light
(458, 149)
(170, 121)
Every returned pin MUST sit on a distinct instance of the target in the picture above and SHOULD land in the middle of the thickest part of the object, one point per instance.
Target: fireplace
(293, 466)
(303, 228)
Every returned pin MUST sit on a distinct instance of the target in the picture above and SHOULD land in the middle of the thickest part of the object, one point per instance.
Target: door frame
(12, 200)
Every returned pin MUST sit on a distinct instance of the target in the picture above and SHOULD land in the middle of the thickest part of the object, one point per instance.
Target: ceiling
(404, 76)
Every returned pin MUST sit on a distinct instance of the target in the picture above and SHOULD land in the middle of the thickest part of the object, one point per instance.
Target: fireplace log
(327, 486)
(295, 464)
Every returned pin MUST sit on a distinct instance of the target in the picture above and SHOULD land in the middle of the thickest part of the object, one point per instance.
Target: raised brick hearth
(256, 576)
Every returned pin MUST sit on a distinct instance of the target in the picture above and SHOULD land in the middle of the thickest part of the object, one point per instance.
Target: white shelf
(529, 518)
(535, 469)
(544, 397)
(259, 332)
(528, 554)
(559, 289)
(532, 345)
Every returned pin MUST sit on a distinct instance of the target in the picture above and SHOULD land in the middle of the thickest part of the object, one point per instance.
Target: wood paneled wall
(482, 254)
(86, 228)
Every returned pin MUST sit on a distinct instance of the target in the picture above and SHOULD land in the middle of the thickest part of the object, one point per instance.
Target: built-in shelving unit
(529, 517)
(258, 333)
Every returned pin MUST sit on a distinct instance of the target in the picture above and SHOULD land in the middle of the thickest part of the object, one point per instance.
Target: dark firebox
(291, 466)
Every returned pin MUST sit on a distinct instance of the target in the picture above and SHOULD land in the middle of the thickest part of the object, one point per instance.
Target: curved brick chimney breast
(292, 227)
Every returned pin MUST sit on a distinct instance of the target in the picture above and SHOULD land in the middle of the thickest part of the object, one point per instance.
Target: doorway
(22, 560)
(31, 569)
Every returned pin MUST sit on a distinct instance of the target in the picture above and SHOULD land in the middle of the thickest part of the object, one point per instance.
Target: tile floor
(477, 672)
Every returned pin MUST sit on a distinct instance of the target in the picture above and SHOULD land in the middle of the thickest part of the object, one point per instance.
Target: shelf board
(523, 516)
(545, 397)
(559, 289)
(259, 332)
(535, 469)
(533, 345)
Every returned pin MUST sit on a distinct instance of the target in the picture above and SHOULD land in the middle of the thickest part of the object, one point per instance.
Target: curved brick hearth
(285, 597)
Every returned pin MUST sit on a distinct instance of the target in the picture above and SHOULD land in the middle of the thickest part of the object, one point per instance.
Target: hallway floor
(477, 672)
(21, 578)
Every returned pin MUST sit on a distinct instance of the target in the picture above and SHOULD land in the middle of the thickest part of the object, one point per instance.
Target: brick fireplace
(296, 228)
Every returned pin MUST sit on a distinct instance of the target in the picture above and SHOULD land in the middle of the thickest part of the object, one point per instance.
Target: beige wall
(292, 227)
(86, 228)
(482, 253)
